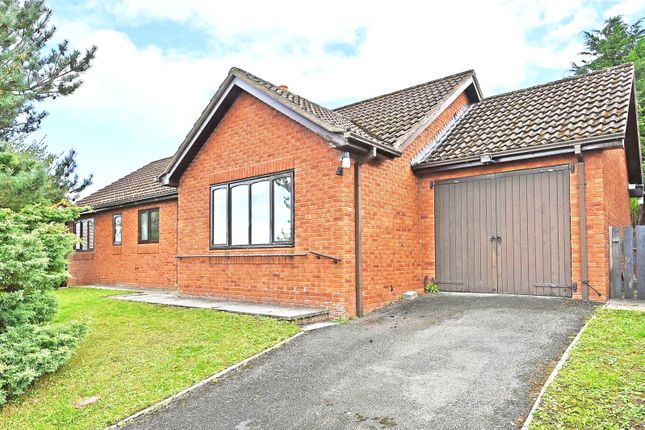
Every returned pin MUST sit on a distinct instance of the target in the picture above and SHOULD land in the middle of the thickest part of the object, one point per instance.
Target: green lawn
(602, 385)
(135, 355)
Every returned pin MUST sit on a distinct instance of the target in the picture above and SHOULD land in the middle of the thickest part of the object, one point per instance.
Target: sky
(159, 61)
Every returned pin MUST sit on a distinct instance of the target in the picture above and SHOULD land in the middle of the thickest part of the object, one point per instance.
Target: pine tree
(30, 73)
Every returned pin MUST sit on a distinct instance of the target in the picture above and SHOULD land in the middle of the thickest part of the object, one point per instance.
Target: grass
(135, 355)
(602, 385)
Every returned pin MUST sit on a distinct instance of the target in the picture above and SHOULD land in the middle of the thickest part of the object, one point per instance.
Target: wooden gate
(627, 262)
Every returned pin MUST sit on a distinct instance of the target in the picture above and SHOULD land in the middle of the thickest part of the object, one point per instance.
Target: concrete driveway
(444, 361)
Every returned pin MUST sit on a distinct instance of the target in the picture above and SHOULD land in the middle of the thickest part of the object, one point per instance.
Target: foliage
(134, 355)
(34, 246)
(602, 385)
(27, 73)
(24, 181)
(431, 288)
(614, 44)
(30, 351)
(31, 73)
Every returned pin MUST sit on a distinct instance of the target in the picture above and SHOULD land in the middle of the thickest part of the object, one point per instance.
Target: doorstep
(279, 312)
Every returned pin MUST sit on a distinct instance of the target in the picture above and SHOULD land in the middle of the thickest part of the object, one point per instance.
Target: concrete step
(300, 316)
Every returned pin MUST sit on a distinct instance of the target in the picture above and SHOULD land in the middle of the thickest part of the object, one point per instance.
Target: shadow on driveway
(444, 361)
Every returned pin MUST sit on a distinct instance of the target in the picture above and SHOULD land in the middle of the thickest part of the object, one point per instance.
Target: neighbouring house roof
(382, 122)
(585, 108)
(392, 116)
(139, 186)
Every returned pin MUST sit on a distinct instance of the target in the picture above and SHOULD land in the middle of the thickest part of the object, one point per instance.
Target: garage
(505, 233)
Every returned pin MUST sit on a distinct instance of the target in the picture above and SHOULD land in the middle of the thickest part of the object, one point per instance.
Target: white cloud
(151, 96)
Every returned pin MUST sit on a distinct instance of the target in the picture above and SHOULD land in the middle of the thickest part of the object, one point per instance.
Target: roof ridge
(469, 71)
(560, 81)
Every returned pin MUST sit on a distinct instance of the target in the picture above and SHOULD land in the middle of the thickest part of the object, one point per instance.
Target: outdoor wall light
(486, 159)
(345, 163)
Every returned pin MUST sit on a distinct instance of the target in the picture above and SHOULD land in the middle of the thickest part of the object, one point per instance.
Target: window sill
(148, 248)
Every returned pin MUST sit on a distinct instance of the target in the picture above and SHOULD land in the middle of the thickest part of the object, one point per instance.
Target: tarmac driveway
(443, 361)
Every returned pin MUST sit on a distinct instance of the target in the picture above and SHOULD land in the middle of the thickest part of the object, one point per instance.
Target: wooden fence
(627, 262)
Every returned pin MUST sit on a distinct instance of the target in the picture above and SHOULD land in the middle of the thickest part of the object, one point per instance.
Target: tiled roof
(583, 107)
(391, 116)
(384, 119)
(139, 185)
(321, 115)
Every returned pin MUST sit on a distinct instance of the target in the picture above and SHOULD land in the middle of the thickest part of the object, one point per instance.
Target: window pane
(154, 225)
(240, 215)
(220, 205)
(260, 213)
(77, 230)
(90, 234)
(143, 226)
(117, 229)
(84, 235)
(282, 201)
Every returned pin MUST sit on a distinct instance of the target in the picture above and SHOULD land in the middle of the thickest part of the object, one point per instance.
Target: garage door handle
(496, 238)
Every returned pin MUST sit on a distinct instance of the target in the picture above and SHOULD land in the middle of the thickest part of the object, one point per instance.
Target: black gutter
(614, 141)
(131, 203)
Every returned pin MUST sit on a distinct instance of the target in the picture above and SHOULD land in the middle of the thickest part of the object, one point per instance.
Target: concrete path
(169, 299)
(439, 362)
(626, 305)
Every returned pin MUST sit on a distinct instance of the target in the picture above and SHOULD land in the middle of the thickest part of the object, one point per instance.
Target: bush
(29, 351)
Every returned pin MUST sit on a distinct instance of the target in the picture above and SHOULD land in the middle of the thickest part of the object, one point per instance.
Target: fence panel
(627, 265)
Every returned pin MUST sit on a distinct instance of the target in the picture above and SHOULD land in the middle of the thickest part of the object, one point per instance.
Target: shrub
(29, 351)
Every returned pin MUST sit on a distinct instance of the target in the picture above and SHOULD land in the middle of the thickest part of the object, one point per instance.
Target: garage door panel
(528, 213)
(463, 228)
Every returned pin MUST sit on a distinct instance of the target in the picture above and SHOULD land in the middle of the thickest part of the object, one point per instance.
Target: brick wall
(131, 263)
(606, 203)
(254, 139)
(391, 231)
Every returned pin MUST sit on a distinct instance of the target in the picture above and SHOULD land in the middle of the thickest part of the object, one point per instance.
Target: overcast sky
(159, 61)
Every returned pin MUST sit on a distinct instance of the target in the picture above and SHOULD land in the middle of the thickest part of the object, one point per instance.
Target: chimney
(283, 87)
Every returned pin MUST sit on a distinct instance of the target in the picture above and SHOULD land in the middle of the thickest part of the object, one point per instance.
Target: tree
(34, 240)
(614, 44)
(29, 73)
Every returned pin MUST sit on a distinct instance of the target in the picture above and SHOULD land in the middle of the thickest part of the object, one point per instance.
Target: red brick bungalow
(273, 198)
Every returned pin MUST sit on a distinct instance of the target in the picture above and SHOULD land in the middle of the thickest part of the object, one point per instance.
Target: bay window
(255, 212)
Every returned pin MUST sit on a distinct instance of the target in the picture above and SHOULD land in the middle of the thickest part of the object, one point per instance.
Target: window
(149, 226)
(84, 230)
(256, 212)
(117, 229)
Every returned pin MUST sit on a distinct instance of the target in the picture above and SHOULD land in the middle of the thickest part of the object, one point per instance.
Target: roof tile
(139, 185)
(582, 107)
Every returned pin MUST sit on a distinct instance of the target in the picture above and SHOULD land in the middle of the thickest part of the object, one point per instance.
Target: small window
(84, 230)
(149, 226)
(117, 229)
(255, 212)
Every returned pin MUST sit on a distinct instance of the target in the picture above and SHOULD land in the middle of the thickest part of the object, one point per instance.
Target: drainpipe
(358, 243)
(583, 222)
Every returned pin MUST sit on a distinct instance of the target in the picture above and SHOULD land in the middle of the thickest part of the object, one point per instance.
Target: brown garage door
(505, 233)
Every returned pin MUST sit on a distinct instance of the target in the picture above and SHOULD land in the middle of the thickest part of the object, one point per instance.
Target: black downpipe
(583, 224)
(358, 242)
(358, 245)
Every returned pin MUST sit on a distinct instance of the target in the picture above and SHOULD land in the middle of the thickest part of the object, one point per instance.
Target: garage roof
(579, 108)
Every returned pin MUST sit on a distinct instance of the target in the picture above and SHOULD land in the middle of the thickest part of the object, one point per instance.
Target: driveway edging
(554, 373)
(199, 384)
